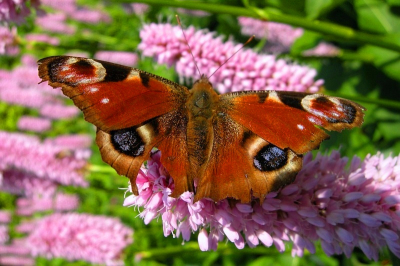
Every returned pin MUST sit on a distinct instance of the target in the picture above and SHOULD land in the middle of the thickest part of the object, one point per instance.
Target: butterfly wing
(132, 109)
(259, 139)
(291, 119)
(242, 165)
(111, 96)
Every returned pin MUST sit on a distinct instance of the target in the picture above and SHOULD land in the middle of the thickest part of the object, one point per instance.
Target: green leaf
(393, 2)
(315, 8)
(376, 16)
(386, 60)
(308, 40)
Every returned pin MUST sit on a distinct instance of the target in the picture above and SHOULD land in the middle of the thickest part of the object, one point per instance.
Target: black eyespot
(270, 158)
(128, 141)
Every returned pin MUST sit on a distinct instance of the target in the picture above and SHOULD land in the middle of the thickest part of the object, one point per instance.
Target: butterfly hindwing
(244, 166)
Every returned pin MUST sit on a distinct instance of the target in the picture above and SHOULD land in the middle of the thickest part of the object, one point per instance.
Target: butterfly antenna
(246, 43)
(187, 43)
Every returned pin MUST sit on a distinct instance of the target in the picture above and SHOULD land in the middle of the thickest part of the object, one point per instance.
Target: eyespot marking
(128, 141)
(270, 158)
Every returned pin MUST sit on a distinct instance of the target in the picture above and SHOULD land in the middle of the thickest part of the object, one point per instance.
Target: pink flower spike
(5, 217)
(340, 223)
(44, 160)
(8, 40)
(247, 70)
(58, 111)
(123, 58)
(44, 38)
(35, 124)
(16, 260)
(96, 239)
(280, 37)
(3, 234)
(15, 10)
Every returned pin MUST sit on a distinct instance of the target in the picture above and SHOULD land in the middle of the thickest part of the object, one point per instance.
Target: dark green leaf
(376, 16)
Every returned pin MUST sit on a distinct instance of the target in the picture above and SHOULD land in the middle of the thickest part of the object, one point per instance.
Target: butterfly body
(238, 145)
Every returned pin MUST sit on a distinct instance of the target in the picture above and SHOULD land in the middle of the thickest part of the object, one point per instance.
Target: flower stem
(323, 27)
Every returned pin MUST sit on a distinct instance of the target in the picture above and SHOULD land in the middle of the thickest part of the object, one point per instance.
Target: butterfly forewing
(112, 96)
(290, 119)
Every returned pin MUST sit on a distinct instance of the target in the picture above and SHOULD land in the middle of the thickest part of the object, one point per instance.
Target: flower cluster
(15, 10)
(135, 8)
(247, 70)
(323, 49)
(29, 93)
(36, 124)
(58, 202)
(97, 239)
(279, 36)
(5, 218)
(45, 160)
(123, 58)
(343, 209)
(8, 41)
(70, 9)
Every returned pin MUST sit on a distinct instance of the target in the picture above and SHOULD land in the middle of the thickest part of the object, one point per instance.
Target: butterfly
(239, 145)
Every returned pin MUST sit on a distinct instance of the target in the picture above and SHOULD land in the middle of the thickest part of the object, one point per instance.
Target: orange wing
(133, 110)
(242, 165)
(291, 119)
(112, 96)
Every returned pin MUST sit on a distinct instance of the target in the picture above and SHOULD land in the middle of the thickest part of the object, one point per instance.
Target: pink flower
(96, 239)
(280, 37)
(8, 41)
(72, 141)
(191, 12)
(3, 234)
(23, 183)
(123, 58)
(57, 202)
(15, 10)
(26, 91)
(45, 160)
(323, 49)
(58, 111)
(136, 8)
(90, 16)
(67, 6)
(37, 37)
(247, 70)
(55, 23)
(36, 124)
(5, 216)
(342, 209)
(16, 260)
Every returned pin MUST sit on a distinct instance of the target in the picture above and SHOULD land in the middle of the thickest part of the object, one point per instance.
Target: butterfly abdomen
(201, 106)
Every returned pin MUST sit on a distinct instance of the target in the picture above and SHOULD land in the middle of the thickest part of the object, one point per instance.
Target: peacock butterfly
(238, 145)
